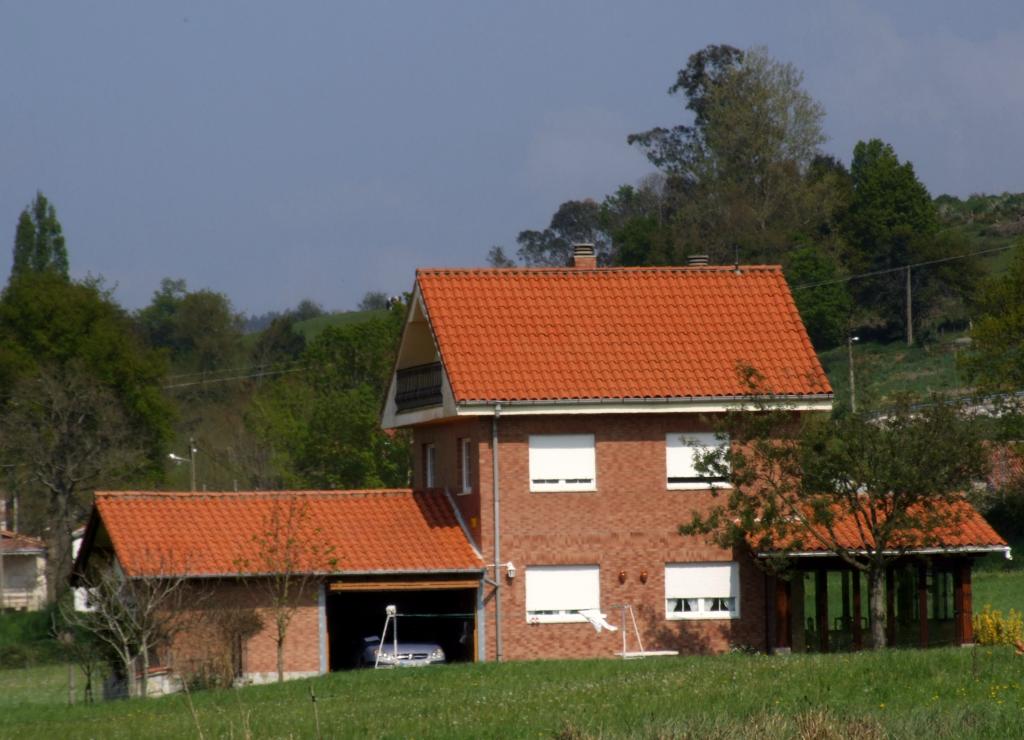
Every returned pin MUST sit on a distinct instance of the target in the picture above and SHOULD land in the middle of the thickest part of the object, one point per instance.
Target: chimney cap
(584, 256)
(698, 260)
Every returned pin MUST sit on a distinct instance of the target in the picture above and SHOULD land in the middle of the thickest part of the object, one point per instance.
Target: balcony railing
(418, 386)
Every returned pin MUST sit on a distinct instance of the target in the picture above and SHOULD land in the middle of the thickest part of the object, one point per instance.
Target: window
(562, 462)
(465, 450)
(430, 465)
(680, 450)
(702, 591)
(557, 593)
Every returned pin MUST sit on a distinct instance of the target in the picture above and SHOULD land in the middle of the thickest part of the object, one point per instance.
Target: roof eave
(798, 402)
(320, 574)
(958, 550)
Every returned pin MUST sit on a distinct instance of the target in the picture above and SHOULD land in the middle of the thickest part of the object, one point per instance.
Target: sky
(282, 151)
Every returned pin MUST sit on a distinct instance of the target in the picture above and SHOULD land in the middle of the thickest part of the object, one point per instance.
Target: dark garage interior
(444, 616)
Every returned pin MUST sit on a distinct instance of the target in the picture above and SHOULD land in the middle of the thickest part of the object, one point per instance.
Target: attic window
(562, 462)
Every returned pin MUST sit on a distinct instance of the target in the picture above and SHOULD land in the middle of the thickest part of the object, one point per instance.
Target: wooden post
(922, 602)
(962, 604)
(845, 580)
(821, 607)
(858, 631)
(783, 615)
(890, 606)
(910, 312)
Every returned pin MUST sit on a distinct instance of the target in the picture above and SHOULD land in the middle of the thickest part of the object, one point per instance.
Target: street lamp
(853, 393)
(191, 460)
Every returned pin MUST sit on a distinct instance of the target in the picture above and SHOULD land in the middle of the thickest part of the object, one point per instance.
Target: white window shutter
(681, 449)
(562, 462)
(563, 588)
(698, 584)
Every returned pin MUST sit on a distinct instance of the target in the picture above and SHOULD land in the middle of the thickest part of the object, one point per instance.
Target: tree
(892, 222)
(575, 221)
(68, 433)
(49, 322)
(323, 425)
(496, 257)
(740, 174)
(136, 616)
(278, 343)
(995, 360)
(39, 241)
(199, 329)
(307, 309)
(900, 478)
(636, 219)
(822, 298)
(291, 555)
(374, 300)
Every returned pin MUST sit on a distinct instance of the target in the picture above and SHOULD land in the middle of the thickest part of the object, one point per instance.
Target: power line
(246, 368)
(211, 381)
(901, 268)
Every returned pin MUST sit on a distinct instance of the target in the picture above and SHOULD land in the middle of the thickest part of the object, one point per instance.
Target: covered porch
(821, 604)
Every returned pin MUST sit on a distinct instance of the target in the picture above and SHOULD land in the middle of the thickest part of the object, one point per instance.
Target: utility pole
(192, 460)
(910, 313)
(853, 392)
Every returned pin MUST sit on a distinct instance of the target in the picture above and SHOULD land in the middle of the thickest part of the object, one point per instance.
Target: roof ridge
(772, 268)
(197, 495)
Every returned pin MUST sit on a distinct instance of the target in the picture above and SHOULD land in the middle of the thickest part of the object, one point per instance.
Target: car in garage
(407, 655)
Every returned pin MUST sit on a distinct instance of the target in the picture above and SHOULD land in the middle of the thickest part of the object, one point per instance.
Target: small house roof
(14, 543)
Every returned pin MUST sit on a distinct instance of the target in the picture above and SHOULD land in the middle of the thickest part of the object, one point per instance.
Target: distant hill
(884, 371)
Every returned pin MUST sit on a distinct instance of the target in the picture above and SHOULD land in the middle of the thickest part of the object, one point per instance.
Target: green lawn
(939, 693)
(943, 693)
(1002, 590)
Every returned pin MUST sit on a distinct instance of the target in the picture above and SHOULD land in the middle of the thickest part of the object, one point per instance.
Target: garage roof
(230, 534)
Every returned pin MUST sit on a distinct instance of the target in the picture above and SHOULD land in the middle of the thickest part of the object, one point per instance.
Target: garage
(440, 611)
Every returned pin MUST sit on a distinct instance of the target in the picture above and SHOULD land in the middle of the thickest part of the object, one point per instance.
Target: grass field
(947, 693)
(941, 693)
(882, 371)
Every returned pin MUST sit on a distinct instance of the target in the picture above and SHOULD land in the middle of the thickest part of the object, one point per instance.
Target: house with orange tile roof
(22, 571)
(555, 414)
(562, 408)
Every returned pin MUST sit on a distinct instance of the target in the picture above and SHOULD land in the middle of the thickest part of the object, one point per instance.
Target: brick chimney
(584, 257)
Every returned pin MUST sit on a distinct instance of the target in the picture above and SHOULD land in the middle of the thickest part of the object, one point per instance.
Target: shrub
(991, 628)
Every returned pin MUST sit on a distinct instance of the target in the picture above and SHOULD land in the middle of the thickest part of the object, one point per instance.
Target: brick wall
(446, 440)
(629, 525)
(201, 644)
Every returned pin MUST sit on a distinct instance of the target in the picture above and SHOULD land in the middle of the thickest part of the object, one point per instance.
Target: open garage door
(442, 613)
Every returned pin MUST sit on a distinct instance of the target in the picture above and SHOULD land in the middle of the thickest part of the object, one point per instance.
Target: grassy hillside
(312, 327)
(882, 371)
(947, 693)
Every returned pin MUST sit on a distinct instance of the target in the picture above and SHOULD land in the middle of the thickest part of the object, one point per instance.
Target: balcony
(418, 386)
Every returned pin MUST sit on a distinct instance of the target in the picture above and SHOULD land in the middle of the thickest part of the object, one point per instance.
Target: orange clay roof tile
(965, 529)
(618, 333)
(205, 534)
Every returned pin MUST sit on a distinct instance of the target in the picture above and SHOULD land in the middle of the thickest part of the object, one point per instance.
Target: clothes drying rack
(626, 653)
